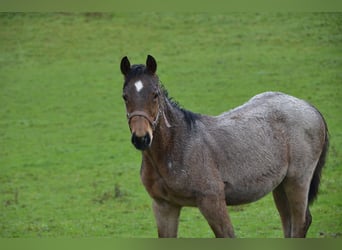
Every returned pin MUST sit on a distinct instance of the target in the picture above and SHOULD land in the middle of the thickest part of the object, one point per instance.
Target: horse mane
(189, 117)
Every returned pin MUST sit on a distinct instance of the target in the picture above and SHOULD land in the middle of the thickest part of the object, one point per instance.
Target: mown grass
(67, 166)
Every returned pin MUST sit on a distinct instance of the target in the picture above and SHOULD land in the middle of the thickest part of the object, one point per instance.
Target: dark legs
(282, 205)
(291, 199)
(215, 212)
(213, 209)
(167, 216)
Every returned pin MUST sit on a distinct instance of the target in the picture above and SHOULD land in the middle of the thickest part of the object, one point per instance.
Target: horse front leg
(167, 216)
(214, 209)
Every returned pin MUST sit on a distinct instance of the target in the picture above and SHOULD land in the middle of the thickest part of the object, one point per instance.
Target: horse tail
(316, 178)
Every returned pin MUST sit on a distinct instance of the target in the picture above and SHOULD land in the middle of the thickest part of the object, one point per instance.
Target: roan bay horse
(274, 142)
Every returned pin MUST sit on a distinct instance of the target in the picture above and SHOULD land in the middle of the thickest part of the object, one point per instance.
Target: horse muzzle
(141, 126)
(143, 142)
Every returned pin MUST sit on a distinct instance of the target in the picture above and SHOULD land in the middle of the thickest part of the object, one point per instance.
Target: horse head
(141, 93)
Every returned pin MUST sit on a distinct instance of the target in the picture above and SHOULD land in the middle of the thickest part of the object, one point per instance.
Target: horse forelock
(137, 71)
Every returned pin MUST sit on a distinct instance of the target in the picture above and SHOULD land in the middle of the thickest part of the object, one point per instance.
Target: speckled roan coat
(273, 143)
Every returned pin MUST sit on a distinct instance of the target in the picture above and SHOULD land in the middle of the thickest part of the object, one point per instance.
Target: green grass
(67, 168)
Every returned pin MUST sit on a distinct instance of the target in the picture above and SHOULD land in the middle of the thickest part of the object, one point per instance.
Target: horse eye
(155, 96)
(125, 98)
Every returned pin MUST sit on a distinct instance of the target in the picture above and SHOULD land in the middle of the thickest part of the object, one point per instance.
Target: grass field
(67, 168)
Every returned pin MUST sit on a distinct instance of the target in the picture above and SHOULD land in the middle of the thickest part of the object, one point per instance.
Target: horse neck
(169, 129)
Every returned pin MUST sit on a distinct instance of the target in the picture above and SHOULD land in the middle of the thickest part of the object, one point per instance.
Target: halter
(152, 122)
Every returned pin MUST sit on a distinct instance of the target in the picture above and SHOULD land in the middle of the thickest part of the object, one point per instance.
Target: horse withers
(273, 143)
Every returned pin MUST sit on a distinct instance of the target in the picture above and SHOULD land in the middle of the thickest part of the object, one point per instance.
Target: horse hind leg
(308, 220)
(297, 198)
(282, 205)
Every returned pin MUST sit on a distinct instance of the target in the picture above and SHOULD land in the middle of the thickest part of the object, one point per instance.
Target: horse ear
(125, 66)
(151, 64)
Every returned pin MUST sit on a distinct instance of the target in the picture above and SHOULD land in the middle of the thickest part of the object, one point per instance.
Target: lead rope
(166, 121)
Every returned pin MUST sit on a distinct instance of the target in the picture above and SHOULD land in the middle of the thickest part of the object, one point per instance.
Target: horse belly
(252, 172)
(251, 188)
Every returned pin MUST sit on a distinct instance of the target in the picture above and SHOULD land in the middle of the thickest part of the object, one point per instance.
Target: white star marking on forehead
(138, 85)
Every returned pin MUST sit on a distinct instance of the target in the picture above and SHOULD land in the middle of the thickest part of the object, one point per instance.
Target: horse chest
(163, 185)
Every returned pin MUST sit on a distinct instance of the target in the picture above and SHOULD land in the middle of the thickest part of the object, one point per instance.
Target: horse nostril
(141, 143)
(147, 139)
